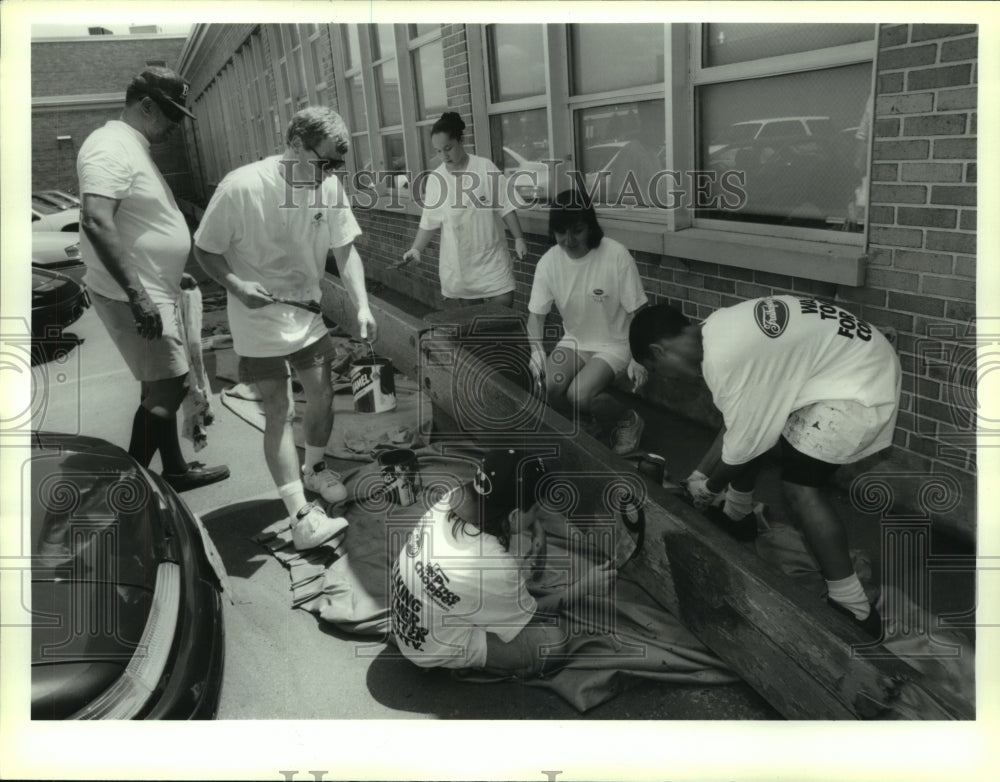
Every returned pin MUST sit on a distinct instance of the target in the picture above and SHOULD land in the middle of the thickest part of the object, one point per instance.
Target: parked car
(802, 180)
(750, 130)
(56, 301)
(620, 159)
(55, 249)
(57, 198)
(531, 177)
(126, 590)
(45, 217)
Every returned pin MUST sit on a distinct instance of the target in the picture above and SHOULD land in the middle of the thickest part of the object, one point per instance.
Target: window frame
(818, 254)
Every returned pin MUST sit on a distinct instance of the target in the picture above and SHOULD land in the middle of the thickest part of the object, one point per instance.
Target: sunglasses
(326, 165)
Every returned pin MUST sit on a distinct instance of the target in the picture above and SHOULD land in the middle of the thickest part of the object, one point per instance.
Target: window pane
(352, 46)
(428, 157)
(520, 143)
(384, 42)
(316, 49)
(387, 92)
(516, 61)
(293, 35)
(279, 45)
(395, 159)
(359, 115)
(728, 43)
(793, 138)
(428, 74)
(362, 156)
(416, 30)
(613, 56)
(619, 150)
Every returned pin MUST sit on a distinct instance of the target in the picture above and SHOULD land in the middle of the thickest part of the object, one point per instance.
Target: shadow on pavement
(232, 528)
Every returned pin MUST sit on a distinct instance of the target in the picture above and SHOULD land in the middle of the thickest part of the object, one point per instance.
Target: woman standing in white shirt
(464, 197)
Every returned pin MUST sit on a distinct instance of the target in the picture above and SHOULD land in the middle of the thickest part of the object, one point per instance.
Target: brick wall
(96, 65)
(102, 65)
(920, 282)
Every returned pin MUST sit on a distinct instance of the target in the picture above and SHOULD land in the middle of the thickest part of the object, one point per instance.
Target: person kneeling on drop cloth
(460, 597)
(798, 371)
(595, 285)
(265, 237)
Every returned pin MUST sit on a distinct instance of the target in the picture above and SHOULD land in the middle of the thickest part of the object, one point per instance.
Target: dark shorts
(802, 469)
(254, 369)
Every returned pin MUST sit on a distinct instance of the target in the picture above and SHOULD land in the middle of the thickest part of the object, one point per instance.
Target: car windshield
(43, 206)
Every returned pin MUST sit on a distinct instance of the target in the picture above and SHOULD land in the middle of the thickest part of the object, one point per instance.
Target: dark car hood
(95, 515)
(98, 534)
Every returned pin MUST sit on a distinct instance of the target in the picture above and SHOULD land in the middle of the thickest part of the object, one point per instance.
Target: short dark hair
(661, 321)
(451, 123)
(569, 208)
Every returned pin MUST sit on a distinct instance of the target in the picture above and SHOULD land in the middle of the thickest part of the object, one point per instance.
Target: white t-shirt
(449, 591)
(594, 294)
(765, 358)
(279, 236)
(114, 162)
(468, 207)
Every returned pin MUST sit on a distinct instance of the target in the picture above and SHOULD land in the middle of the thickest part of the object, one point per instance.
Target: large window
(755, 128)
(782, 111)
(517, 105)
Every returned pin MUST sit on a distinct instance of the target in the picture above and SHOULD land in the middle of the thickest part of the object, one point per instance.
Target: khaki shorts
(254, 369)
(147, 359)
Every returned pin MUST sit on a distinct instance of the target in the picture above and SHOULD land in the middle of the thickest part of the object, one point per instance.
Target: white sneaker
(324, 482)
(625, 437)
(312, 527)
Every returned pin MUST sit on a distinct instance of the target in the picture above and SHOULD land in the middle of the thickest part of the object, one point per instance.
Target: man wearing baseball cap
(460, 598)
(135, 243)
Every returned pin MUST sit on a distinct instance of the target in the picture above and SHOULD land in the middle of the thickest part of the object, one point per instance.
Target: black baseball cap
(165, 87)
(506, 479)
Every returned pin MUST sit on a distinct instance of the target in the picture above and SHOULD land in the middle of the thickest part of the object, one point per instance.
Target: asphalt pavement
(287, 664)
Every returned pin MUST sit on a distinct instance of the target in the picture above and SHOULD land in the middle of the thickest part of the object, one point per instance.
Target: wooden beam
(806, 659)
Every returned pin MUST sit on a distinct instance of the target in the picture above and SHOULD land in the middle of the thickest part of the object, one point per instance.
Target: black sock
(152, 433)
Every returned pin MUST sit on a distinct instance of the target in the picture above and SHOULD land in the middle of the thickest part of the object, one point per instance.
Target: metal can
(653, 466)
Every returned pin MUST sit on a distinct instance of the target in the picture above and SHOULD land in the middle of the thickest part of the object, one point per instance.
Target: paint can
(400, 475)
(373, 385)
(653, 466)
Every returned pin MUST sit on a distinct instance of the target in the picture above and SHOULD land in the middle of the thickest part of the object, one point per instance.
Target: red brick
(892, 280)
(955, 148)
(935, 125)
(925, 32)
(901, 150)
(887, 127)
(952, 241)
(881, 318)
(970, 172)
(927, 218)
(774, 280)
(941, 76)
(967, 221)
(964, 311)
(931, 172)
(852, 296)
(962, 98)
(896, 237)
(881, 215)
(885, 172)
(961, 195)
(898, 194)
(965, 49)
(948, 286)
(965, 266)
(889, 82)
(893, 35)
(920, 305)
(923, 262)
(907, 57)
(720, 285)
(914, 103)
(749, 291)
